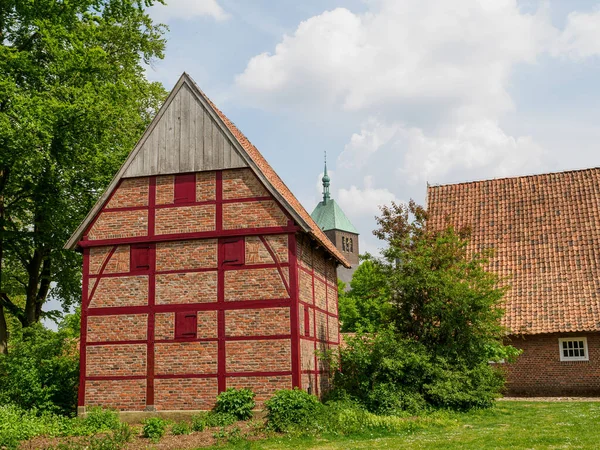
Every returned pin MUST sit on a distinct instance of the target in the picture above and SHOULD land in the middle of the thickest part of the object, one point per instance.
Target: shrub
(199, 422)
(239, 402)
(390, 375)
(41, 371)
(154, 428)
(180, 428)
(290, 409)
(219, 419)
(99, 419)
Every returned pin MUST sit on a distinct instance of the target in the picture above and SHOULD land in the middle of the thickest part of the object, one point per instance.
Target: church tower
(337, 227)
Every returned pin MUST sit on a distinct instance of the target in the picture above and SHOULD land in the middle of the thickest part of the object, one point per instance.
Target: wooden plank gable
(185, 138)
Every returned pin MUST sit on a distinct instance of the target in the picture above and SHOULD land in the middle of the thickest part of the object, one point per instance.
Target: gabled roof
(546, 233)
(241, 153)
(329, 216)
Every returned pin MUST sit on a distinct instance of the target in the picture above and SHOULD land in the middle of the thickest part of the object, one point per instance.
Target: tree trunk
(3, 332)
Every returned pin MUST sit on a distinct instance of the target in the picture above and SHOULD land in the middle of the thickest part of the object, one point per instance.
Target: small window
(186, 324)
(185, 188)
(351, 246)
(343, 243)
(140, 258)
(573, 349)
(234, 252)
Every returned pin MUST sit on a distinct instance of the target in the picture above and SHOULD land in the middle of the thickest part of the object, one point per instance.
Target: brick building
(201, 271)
(545, 230)
(337, 227)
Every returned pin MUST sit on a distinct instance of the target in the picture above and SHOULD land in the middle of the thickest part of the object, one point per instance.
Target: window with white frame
(573, 349)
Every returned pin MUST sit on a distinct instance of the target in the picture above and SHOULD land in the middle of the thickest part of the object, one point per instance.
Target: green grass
(509, 425)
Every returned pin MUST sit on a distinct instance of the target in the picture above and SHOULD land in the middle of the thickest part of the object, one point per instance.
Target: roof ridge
(436, 185)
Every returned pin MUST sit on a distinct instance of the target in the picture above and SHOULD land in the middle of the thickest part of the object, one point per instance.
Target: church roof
(234, 150)
(329, 216)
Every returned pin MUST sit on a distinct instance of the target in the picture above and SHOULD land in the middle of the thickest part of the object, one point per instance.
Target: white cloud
(480, 147)
(455, 56)
(187, 9)
(365, 200)
(362, 145)
(581, 36)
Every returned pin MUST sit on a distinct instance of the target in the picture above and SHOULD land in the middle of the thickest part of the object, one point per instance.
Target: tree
(441, 330)
(441, 292)
(367, 305)
(73, 102)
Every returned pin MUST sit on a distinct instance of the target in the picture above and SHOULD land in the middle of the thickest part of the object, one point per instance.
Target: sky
(399, 93)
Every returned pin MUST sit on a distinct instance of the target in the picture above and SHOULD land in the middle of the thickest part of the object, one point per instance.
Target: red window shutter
(186, 324)
(185, 188)
(306, 322)
(234, 252)
(140, 258)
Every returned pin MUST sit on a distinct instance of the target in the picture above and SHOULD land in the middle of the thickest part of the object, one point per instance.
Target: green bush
(154, 428)
(180, 428)
(99, 419)
(41, 371)
(394, 376)
(219, 419)
(199, 422)
(239, 402)
(292, 409)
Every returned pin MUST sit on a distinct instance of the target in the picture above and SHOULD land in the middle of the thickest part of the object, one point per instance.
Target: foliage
(366, 306)
(180, 428)
(402, 377)
(99, 419)
(239, 402)
(154, 428)
(291, 409)
(219, 419)
(436, 311)
(41, 371)
(73, 101)
(199, 422)
(17, 424)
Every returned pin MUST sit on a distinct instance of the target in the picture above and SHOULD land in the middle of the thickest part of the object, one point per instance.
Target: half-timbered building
(201, 271)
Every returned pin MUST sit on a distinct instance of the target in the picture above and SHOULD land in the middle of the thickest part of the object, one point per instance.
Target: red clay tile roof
(546, 233)
(277, 183)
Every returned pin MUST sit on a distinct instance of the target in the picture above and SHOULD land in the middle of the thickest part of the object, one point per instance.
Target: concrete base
(134, 417)
(138, 416)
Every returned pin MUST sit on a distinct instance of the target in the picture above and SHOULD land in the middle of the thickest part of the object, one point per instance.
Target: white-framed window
(573, 349)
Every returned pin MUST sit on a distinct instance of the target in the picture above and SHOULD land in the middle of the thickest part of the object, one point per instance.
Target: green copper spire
(328, 215)
(325, 181)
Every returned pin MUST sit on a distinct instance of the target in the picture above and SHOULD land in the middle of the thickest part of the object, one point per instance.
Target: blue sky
(399, 93)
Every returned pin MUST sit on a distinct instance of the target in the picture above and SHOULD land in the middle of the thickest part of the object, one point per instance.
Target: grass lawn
(509, 425)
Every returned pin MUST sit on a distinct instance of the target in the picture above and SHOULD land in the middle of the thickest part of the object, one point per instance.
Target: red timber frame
(220, 305)
(310, 310)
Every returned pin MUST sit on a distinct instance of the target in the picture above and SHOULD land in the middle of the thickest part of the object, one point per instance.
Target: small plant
(180, 428)
(289, 409)
(99, 419)
(232, 436)
(154, 428)
(219, 419)
(239, 402)
(199, 422)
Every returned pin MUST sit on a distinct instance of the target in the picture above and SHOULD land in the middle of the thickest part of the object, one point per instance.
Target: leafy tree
(73, 102)
(366, 306)
(441, 327)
